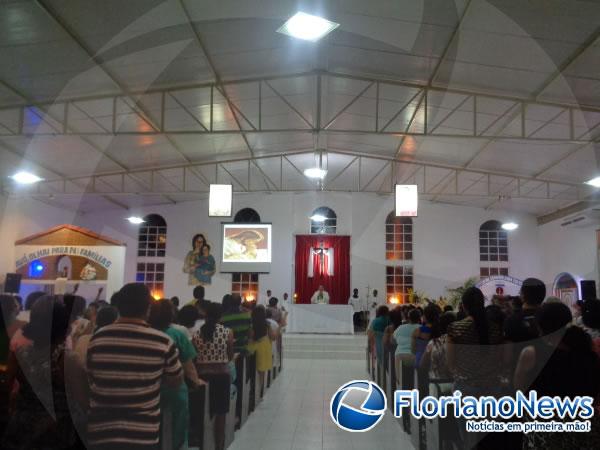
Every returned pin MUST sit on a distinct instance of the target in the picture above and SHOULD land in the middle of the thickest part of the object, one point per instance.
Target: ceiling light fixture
(135, 220)
(307, 27)
(594, 182)
(509, 226)
(318, 218)
(315, 172)
(25, 178)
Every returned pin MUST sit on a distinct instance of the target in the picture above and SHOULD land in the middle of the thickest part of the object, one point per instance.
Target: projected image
(247, 243)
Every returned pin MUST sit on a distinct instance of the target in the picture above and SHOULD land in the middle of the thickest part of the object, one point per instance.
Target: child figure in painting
(205, 265)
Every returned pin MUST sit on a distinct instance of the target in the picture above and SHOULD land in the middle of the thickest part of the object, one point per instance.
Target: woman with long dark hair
(434, 358)
(421, 336)
(261, 336)
(214, 347)
(561, 363)
(50, 379)
(475, 356)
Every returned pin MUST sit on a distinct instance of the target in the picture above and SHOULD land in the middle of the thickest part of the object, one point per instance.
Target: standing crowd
(521, 343)
(105, 375)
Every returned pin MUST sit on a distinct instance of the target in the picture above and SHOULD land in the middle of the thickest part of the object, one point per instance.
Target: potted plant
(455, 294)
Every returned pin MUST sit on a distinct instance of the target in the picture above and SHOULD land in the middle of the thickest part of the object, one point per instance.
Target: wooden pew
(390, 377)
(441, 433)
(201, 433)
(405, 381)
(417, 426)
(243, 384)
(251, 377)
(280, 344)
(381, 371)
(230, 420)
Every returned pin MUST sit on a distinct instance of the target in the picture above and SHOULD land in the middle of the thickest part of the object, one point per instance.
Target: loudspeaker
(12, 284)
(588, 290)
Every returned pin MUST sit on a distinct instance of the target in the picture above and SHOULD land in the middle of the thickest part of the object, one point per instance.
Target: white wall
(445, 236)
(568, 249)
(446, 239)
(22, 218)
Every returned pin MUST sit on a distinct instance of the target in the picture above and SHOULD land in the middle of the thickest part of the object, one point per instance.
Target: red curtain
(338, 285)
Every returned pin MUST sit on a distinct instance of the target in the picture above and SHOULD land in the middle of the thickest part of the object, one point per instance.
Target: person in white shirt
(358, 307)
(264, 299)
(320, 297)
(275, 330)
(285, 304)
(374, 303)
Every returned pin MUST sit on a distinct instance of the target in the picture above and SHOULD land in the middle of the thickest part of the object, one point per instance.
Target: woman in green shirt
(175, 400)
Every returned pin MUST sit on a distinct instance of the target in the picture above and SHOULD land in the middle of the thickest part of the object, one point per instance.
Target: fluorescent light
(318, 218)
(594, 182)
(135, 220)
(509, 226)
(315, 172)
(219, 200)
(407, 200)
(307, 27)
(26, 178)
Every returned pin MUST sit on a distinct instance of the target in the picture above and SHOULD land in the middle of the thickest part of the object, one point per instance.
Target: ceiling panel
(31, 46)
(447, 151)
(511, 47)
(211, 147)
(139, 151)
(64, 154)
(145, 43)
(515, 157)
(582, 165)
(263, 144)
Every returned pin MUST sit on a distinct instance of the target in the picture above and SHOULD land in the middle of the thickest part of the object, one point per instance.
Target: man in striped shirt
(127, 363)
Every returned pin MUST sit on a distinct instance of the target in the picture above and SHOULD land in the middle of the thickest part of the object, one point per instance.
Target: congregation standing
(524, 343)
(103, 376)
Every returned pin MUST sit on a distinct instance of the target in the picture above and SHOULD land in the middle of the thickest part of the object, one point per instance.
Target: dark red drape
(338, 285)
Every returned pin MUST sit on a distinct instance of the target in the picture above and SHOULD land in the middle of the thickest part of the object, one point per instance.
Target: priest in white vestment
(320, 296)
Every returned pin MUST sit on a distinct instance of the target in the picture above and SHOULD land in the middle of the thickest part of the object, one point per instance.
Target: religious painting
(199, 264)
(246, 243)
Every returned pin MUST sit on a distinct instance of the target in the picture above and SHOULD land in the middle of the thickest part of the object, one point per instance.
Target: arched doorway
(565, 287)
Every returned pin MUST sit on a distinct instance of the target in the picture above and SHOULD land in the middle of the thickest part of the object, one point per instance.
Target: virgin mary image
(199, 264)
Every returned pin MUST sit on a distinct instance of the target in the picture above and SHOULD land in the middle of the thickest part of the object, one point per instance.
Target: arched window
(398, 238)
(323, 220)
(152, 247)
(399, 251)
(245, 283)
(247, 215)
(152, 236)
(493, 249)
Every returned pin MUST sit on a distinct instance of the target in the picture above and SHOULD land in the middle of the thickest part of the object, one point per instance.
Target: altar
(333, 319)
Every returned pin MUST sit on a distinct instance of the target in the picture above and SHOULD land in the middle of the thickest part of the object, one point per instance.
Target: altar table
(334, 319)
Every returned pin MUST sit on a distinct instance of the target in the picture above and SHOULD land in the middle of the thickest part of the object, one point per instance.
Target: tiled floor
(295, 412)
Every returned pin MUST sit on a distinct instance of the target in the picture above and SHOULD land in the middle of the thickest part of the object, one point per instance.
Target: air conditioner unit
(589, 217)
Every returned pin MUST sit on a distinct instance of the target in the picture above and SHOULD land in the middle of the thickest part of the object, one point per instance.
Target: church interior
(217, 216)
